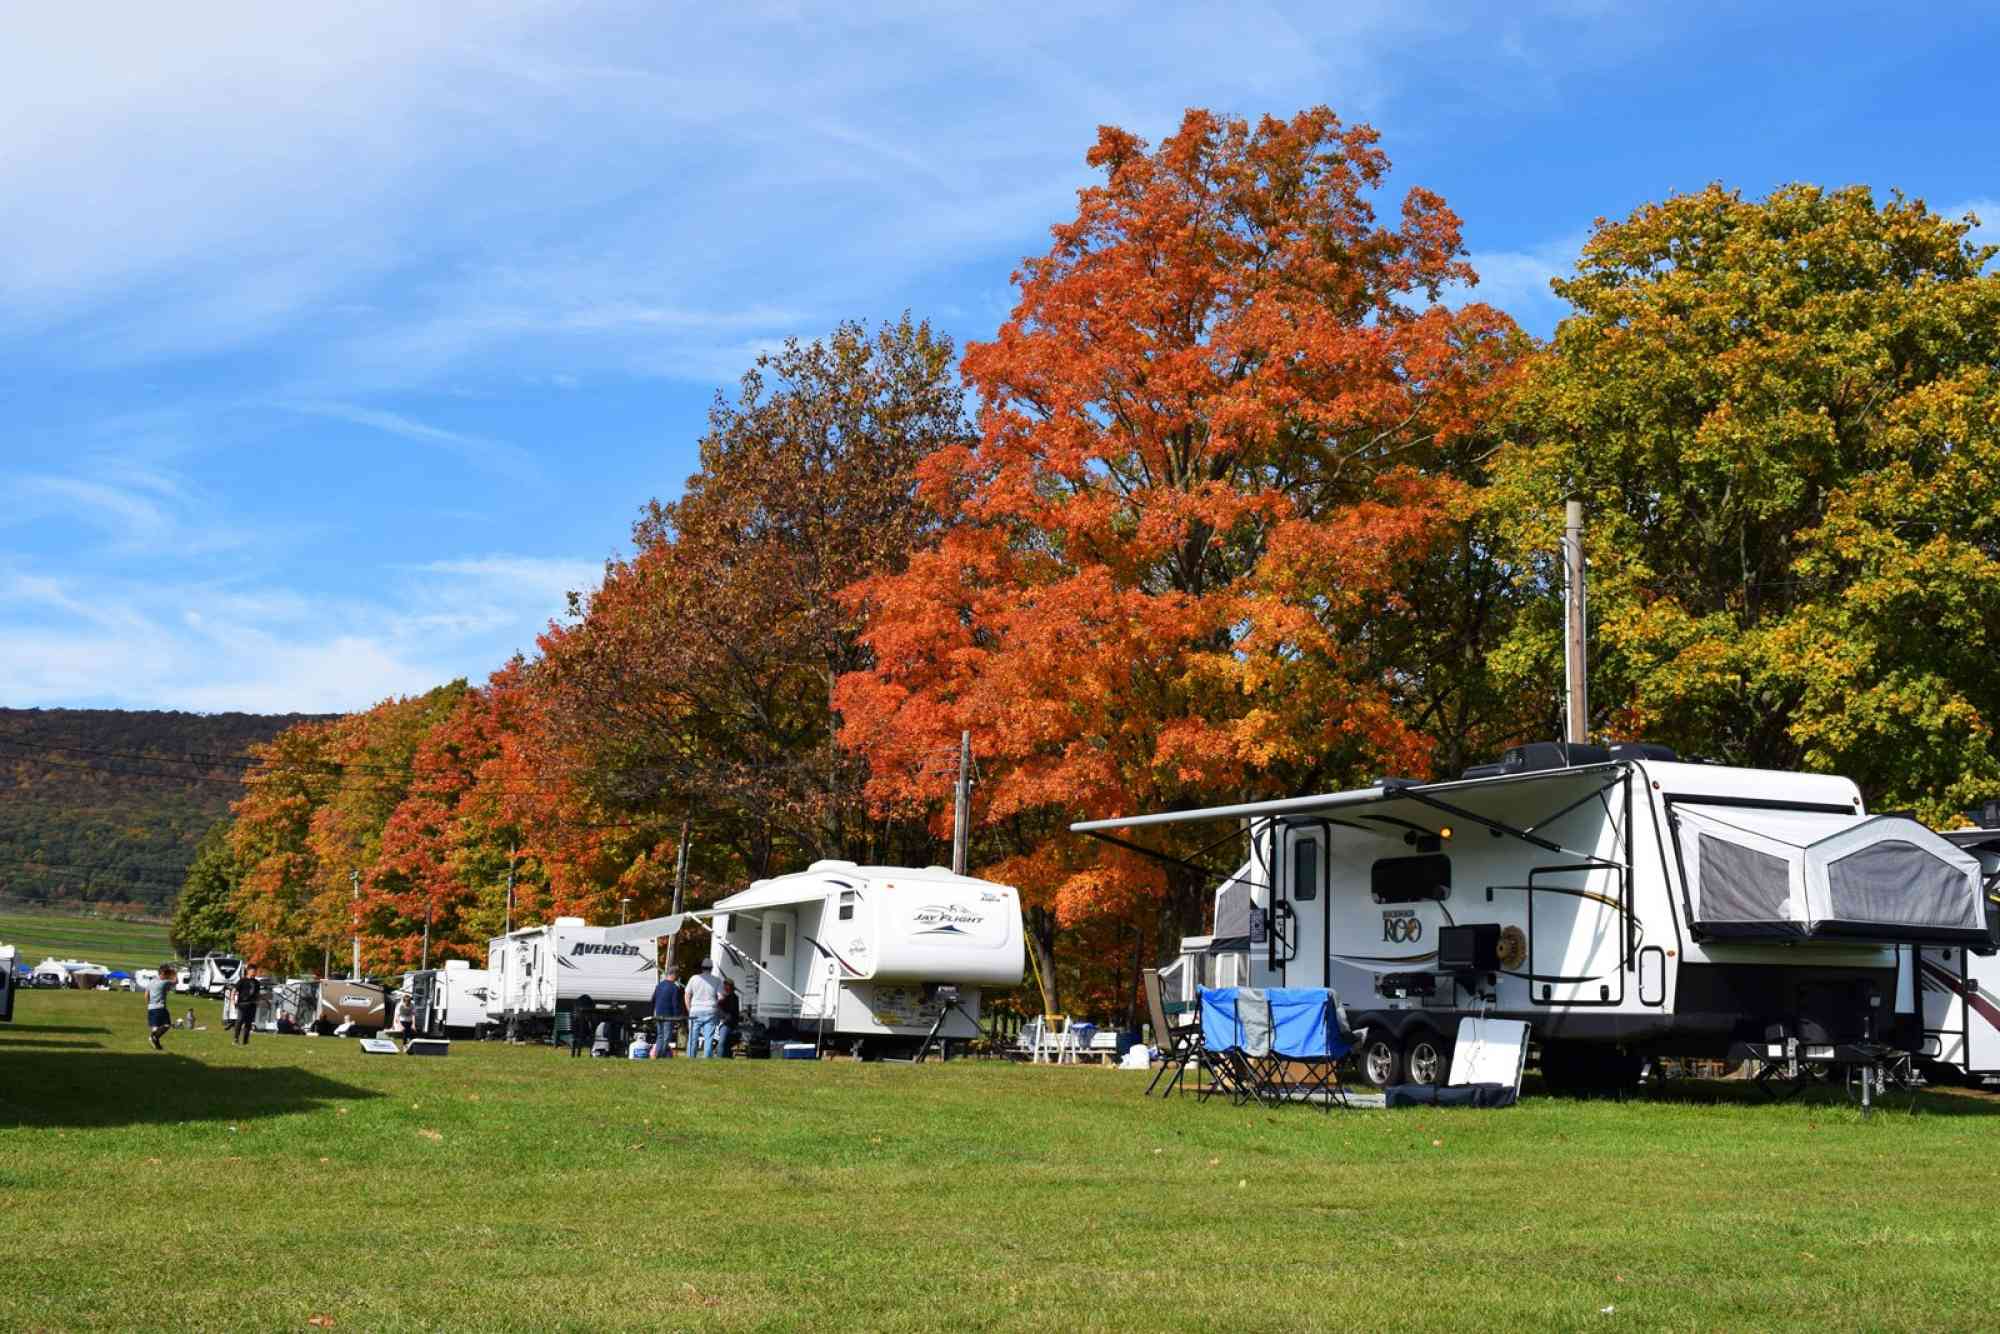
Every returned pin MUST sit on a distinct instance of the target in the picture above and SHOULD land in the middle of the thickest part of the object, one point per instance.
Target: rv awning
(1772, 875)
(1518, 804)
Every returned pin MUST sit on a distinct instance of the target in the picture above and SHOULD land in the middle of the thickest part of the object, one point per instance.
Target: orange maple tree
(1207, 461)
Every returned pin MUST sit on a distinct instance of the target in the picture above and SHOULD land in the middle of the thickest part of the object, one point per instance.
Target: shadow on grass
(81, 1089)
(58, 1028)
(1931, 1101)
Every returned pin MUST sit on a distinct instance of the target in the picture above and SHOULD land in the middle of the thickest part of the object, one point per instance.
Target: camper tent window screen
(1305, 870)
(1740, 884)
(1411, 879)
(1898, 882)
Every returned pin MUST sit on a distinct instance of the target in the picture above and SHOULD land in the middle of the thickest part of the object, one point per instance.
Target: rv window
(1305, 870)
(1411, 879)
(778, 942)
(847, 897)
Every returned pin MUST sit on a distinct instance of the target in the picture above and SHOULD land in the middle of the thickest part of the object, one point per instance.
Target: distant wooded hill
(105, 806)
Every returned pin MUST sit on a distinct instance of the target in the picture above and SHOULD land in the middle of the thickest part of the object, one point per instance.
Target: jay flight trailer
(882, 958)
(1623, 905)
(447, 1000)
(540, 972)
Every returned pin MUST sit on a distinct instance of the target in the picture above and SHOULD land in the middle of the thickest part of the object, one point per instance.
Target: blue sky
(337, 342)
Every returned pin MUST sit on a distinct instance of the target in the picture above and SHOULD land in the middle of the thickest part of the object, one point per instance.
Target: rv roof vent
(1484, 771)
(1642, 750)
(831, 864)
(569, 921)
(453, 965)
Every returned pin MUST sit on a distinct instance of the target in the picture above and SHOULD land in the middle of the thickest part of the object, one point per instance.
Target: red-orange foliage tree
(1209, 460)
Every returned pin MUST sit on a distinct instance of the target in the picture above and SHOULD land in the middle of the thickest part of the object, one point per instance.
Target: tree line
(1241, 500)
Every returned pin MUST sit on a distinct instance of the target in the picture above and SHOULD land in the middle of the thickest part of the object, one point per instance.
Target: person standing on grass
(246, 1003)
(158, 1021)
(669, 1009)
(703, 991)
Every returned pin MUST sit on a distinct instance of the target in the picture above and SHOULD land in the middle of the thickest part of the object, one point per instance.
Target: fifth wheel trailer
(879, 958)
(1623, 904)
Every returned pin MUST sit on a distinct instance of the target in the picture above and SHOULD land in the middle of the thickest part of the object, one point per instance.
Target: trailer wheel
(1424, 1060)
(1382, 1061)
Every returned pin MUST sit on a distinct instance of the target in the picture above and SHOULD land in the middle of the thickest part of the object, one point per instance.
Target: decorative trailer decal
(945, 919)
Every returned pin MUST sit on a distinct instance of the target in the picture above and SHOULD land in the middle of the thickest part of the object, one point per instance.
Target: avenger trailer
(1622, 904)
(538, 974)
(883, 959)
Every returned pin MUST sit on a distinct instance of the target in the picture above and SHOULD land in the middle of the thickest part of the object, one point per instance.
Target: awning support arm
(1155, 853)
(1497, 826)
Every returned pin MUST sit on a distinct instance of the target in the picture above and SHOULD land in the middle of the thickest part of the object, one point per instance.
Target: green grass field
(126, 945)
(517, 1188)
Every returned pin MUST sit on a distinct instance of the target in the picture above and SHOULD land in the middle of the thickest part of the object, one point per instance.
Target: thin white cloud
(1517, 281)
(497, 455)
(134, 643)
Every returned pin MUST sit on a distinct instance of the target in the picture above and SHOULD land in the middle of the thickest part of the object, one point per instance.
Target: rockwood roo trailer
(540, 972)
(1621, 903)
(883, 959)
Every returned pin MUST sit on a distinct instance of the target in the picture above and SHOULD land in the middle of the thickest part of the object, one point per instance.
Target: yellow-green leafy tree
(1781, 415)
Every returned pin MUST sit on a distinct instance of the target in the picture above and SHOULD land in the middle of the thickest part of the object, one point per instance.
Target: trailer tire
(1382, 1060)
(1424, 1058)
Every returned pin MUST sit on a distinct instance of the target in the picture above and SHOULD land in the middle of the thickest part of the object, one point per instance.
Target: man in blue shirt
(669, 1012)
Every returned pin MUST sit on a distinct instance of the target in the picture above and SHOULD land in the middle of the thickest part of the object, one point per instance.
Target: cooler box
(799, 1051)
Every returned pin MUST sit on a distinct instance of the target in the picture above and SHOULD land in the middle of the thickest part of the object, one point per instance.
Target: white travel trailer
(448, 1000)
(1957, 987)
(539, 972)
(1623, 905)
(882, 958)
(213, 974)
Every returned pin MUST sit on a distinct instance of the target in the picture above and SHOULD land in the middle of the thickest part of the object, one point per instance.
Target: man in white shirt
(704, 989)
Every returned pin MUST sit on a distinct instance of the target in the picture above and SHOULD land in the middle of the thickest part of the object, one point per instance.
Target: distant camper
(540, 972)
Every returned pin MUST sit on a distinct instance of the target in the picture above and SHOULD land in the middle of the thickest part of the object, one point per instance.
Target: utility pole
(961, 817)
(354, 879)
(680, 886)
(1576, 666)
(508, 928)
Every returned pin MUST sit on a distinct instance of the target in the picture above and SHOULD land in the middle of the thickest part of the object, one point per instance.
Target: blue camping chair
(1275, 1045)
(1224, 1063)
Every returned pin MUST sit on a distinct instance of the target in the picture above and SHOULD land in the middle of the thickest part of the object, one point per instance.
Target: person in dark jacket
(582, 1024)
(669, 1012)
(245, 990)
(728, 1016)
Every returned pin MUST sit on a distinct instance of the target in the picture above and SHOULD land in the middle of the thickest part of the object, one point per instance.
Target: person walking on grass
(703, 991)
(669, 1012)
(245, 992)
(158, 1021)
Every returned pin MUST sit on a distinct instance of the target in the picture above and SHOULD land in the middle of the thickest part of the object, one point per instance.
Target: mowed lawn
(518, 1188)
(114, 944)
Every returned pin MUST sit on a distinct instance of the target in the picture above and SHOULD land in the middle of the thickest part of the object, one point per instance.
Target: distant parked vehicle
(213, 974)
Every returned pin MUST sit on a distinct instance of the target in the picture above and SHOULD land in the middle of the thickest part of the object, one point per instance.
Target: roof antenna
(1576, 667)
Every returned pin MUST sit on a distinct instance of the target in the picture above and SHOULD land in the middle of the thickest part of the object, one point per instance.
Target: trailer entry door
(1576, 935)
